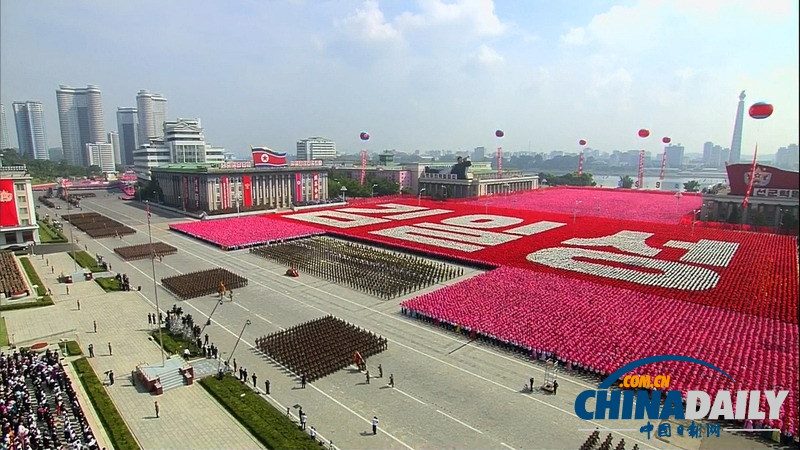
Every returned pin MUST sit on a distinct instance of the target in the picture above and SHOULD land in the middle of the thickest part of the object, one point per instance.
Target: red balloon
(582, 142)
(666, 140)
(364, 136)
(643, 133)
(760, 110)
(499, 133)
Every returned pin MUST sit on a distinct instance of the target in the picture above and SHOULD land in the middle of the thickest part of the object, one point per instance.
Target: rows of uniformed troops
(97, 225)
(320, 347)
(11, 281)
(141, 251)
(204, 282)
(377, 272)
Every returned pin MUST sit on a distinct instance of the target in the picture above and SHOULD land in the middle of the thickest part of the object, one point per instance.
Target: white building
(80, 116)
(4, 143)
(113, 139)
(128, 129)
(31, 135)
(315, 148)
(18, 226)
(183, 142)
(152, 113)
(101, 154)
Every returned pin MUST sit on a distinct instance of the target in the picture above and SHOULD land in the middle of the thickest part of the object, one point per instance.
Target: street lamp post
(419, 197)
(71, 236)
(208, 322)
(155, 283)
(343, 190)
(372, 190)
(575, 210)
(246, 323)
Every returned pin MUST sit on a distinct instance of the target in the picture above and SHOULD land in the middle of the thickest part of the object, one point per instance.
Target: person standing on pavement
(531, 386)
(91, 350)
(266, 386)
(157, 409)
(94, 322)
(79, 308)
(303, 421)
(303, 381)
(111, 377)
(313, 434)
(254, 378)
(375, 424)
(380, 371)
(110, 353)
(391, 380)
(368, 377)
(555, 387)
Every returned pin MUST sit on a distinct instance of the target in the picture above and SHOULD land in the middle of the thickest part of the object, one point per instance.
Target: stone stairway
(171, 380)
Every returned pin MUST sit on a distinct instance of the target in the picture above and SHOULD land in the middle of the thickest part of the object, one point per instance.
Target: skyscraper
(80, 115)
(315, 148)
(113, 139)
(128, 129)
(31, 134)
(736, 144)
(674, 156)
(152, 111)
(101, 154)
(3, 129)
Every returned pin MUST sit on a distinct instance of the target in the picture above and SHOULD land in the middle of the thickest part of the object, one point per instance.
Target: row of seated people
(320, 347)
(52, 417)
(204, 282)
(141, 251)
(381, 273)
(11, 281)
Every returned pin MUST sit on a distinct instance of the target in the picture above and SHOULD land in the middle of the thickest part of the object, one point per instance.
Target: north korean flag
(265, 157)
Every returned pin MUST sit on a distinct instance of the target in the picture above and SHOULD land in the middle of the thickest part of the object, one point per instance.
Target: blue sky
(428, 74)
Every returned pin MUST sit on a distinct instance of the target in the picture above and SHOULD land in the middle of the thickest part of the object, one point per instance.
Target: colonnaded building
(228, 187)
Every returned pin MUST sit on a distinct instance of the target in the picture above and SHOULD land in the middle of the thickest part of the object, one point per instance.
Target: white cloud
(369, 24)
(575, 36)
(488, 56)
(479, 15)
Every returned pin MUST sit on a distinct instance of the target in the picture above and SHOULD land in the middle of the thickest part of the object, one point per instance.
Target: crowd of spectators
(320, 347)
(382, 273)
(39, 409)
(12, 284)
(203, 282)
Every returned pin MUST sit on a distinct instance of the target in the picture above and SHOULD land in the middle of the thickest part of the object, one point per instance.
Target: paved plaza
(450, 392)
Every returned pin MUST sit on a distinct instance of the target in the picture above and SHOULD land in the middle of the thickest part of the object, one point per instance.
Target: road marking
(462, 423)
(409, 396)
(507, 446)
(265, 320)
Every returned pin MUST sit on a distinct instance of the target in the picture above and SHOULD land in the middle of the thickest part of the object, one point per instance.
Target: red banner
(247, 187)
(499, 162)
(8, 204)
(315, 186)
(226, 193)
(298, 187)
(580, 164)
(363, 166)
(640, 180)
(663, 164)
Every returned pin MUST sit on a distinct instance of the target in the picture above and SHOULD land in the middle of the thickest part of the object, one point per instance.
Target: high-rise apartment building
(152, 112)
(479, 153)
(788, 157)
(315, 148)
(674, 156)
(31, 135)
(80, 115)
(3, 129)
(128, 129)
(101, 154)
(736, 142)
(113, 139)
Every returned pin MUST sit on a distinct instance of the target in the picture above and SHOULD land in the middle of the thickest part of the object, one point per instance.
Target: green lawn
(175, 343)
(73, 349)
(86, 261)
(41, 301)
(49, 235)
(109, 283)
(118, 432)
(3, 332)
(33, 276)
(271, 427)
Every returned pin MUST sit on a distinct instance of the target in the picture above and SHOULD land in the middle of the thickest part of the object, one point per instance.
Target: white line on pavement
(462, 423)
(409, 396)
(507, 446)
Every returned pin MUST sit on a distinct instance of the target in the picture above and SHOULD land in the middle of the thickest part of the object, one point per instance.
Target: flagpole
(746, 200)
(155, 284)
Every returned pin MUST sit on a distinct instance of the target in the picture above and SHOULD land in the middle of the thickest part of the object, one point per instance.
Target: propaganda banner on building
(765, 180)
(197, 192)
(8, 204)
(226, 193)
(247, 187)
(184, 191)
(315, 186)
(298, 187)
